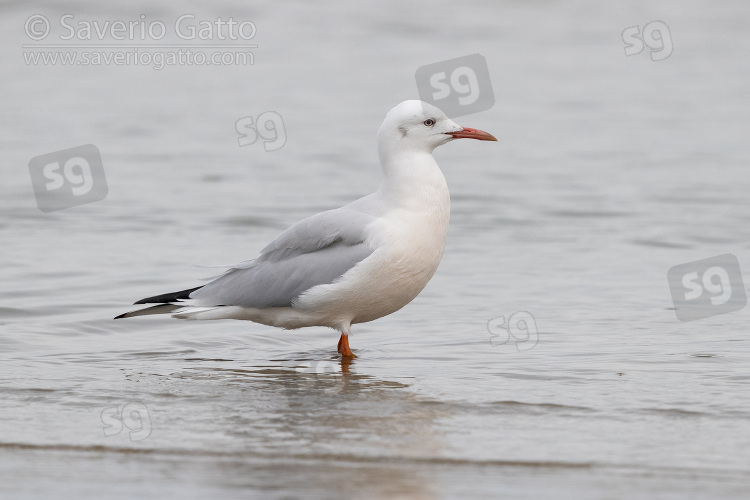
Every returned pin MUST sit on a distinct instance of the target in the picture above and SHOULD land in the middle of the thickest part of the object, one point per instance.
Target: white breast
(409, 240)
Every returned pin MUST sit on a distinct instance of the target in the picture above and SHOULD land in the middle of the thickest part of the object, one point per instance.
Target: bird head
(419, 125)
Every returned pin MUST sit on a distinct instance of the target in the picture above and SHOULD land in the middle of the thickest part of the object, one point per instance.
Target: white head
(416, 125)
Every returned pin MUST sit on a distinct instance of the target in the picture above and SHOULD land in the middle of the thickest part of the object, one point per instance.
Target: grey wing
(315, 251)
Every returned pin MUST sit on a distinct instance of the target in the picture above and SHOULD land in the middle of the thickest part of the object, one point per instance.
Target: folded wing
(315, 251)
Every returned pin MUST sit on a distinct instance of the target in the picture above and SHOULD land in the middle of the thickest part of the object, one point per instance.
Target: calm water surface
(609, 171)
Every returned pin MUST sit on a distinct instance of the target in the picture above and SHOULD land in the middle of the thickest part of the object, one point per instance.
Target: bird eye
(429, 122)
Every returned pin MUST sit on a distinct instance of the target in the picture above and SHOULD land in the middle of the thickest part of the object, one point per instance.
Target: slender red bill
(472, 133)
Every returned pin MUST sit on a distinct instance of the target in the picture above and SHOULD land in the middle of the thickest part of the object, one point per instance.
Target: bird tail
(210, 312)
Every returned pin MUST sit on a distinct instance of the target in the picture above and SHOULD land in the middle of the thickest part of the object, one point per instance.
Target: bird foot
(344, 349)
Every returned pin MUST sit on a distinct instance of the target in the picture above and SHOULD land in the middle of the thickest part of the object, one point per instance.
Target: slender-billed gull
(353, 264)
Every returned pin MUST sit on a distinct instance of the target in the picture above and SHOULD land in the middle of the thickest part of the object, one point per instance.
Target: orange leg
(344, 349)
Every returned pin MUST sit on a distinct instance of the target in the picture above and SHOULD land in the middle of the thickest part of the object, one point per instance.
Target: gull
(349, 265)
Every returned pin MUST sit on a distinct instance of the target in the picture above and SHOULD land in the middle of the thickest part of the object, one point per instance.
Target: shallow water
(609, 171)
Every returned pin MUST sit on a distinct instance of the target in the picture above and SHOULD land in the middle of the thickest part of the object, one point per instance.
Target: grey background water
(609, 171)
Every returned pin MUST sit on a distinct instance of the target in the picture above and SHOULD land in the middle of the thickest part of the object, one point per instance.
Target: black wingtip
(166, 298)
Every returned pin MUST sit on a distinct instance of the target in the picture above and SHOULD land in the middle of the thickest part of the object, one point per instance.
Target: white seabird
(353, 264)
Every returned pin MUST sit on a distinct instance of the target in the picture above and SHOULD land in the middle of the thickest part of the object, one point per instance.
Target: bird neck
(413, 179)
